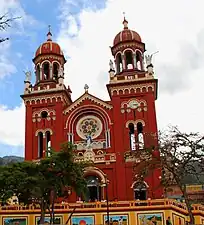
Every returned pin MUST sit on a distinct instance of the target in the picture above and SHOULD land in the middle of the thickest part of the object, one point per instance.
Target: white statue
(148, 59)
(28, 76)
(88, 141)
(61, 72)
(111, 65)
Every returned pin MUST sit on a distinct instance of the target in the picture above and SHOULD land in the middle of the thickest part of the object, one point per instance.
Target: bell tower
(133, 90)
(45, 100)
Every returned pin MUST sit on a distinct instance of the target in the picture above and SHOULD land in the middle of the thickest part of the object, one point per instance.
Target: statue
(111, 65)
(61, 72)
(148, 59)
(88, 141)
(28, 76)
(86, 87)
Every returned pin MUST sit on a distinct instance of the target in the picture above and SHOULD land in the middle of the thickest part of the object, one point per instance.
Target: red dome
(126, 35)
(49, 47)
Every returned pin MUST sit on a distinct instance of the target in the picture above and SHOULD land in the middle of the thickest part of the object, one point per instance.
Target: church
(104, 132)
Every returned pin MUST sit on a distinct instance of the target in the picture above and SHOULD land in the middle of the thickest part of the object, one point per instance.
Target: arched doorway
(140, 191)
(94, 188)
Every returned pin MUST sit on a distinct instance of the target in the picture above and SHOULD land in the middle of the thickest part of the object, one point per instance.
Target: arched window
(129, 59)
(93, 184)
(40, 145)
(132, 136)
(46, 71)
(119, 63)
(139, 61)
(38, 73)
(140, 135)
(55, 70)
(140, 191)
(48, 142)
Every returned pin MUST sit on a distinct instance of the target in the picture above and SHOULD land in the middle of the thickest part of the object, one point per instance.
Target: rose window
(89, 126)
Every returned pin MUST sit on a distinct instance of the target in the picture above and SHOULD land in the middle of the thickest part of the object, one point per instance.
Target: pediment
(90, 97)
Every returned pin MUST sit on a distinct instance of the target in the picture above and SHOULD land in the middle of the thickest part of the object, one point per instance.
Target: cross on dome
(125, 22)
(49, 34)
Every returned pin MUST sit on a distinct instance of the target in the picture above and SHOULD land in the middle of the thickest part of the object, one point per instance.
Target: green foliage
(29, 180)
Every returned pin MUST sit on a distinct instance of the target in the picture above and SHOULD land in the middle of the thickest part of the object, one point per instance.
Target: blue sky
(85, 29)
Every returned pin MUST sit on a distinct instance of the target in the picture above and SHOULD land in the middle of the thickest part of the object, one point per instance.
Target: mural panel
(14, 220)
(150, 219)
(116, 220)
(58, 220)
(82, 220)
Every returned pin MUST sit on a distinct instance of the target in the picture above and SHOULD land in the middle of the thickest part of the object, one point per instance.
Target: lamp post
(107, 201)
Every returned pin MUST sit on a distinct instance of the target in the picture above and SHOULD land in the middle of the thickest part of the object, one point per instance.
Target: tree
(181, 155)
(40, 181)
(5, 22)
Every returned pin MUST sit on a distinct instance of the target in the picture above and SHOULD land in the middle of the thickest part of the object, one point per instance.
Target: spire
(125, 22)
(49, 34)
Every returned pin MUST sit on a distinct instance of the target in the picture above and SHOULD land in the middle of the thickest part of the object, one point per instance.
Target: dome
(126, 35)
(49, 47)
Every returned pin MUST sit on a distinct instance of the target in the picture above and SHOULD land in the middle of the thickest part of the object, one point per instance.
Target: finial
(125, 22)
(49, 34)
(86, 88)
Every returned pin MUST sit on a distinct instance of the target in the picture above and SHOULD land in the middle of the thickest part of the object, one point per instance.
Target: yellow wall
(134, 214)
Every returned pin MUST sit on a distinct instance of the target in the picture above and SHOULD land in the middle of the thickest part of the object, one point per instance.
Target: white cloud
(172, 27)
(12, 129)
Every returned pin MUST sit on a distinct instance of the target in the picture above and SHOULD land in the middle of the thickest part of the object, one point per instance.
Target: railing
(100, 206)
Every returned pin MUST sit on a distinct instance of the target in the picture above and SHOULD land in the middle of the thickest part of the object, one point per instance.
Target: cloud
(165, 27)
(12, 127)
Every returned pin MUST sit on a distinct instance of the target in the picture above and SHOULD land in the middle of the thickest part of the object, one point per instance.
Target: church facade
(101, 131)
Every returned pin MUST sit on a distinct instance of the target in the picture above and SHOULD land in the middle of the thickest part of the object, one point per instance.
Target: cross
(86, 88)
(49, 28)
(124, 14)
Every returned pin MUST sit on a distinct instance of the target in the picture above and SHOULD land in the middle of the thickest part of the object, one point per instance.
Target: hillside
(10, 159)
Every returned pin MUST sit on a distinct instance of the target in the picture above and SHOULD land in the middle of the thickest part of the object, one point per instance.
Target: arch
(38, 131)
(55, 66)
(80, 153)
(135, 182)
(48, 129)
(93, 109)
(46, 70)
(128, 122)
(40, 144)
(100, 152)
(37, 72)
(140, 121)
(48, 142)
(140, 190)
(129, 63)
(139, 59)
(119, 62)
(97, 172)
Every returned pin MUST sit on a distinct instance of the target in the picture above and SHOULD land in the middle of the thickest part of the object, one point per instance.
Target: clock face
(133, 104)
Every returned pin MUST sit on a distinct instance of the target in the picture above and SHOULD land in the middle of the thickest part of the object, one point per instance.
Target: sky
(85, 29)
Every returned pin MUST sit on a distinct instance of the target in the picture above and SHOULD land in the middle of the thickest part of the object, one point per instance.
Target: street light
(107, 201)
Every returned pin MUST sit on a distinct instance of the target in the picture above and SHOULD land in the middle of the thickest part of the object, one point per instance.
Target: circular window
(44, 114)
(89, 126)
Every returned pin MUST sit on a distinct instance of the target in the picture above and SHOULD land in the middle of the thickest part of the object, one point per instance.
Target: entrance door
(140, 191)
(94, 189)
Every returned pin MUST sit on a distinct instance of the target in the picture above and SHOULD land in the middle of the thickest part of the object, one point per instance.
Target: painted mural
(14, 221)
(116, 220)
(58, 220)
(150, 219)
(82, 220)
